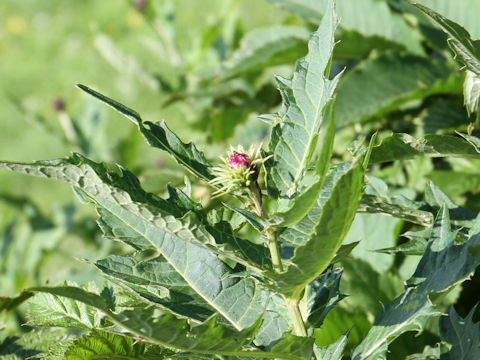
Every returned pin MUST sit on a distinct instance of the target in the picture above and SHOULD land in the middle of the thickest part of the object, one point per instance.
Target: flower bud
(58, 104)
(239, 160)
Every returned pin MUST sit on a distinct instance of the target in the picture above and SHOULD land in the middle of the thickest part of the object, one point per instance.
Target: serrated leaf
(105, 346)
(312, 257)
(159, 135)
(294, 137)
(467, 50)
(392, 80)
(303, 203)
(143, 221)
(443, 265)
(375, 205)
(471, 92)
(404, 146)
(167, 331)
(51, 310)
(462, 334)
(265, 47)
(333, 351)
(409, 312)
(156, 282)
(322, 295)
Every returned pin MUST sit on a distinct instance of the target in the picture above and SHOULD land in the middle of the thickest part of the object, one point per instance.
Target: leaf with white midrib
(240, 300)
(304, 97)
(147, 279)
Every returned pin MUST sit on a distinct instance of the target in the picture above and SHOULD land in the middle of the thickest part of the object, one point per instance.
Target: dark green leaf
(462, 334)
(160, 136)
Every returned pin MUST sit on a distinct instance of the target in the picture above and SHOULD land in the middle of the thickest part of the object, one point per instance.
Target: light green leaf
(145, 221)
(52, 310)
(312, 257)
(387, 25)
(294, 136)
(333, 351)
(303, 203)
(467, 50)
(392, 80)
(471, 92)
(265, 47)
(375, 205)
(404, 146)
(159, 135)
(158, 283)
(462, 334)
(167, 331)
(374, 232)
(100, 345)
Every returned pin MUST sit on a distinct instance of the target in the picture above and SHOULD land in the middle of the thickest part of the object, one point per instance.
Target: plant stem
(271, 234)
(274, 250)
(296, 316)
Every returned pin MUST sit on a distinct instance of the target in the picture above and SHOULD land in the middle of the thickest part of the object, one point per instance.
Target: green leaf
(333, 351)
(52, 310)
(404, 147)
(374, 205)
(409, 312)
(467, 51)
(103, 346)
(295, 134)
(392, 80)
(462, 334)
(265, 47)
(322, 295)
(145, 221)
(159, 135)
(256, 221)
(158, 283)
(167, 331)
(312, 257)
(443, 265)
(387, 25)
(471, 92)
(36, 344)
(303, 203)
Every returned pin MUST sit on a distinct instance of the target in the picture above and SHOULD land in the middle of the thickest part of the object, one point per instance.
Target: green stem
(271, 234)
(296, 316)
(274, 250)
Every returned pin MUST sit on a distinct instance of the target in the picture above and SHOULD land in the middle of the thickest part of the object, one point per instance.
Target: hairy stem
(296, 316)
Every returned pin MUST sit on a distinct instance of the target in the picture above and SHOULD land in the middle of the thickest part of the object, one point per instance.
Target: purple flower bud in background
(239, 160)
(58, 104)
(140, 5)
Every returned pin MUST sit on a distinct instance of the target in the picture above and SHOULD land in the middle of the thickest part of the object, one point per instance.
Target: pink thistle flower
(239, 160)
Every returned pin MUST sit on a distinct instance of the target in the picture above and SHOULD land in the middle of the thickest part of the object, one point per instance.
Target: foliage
(338, 246)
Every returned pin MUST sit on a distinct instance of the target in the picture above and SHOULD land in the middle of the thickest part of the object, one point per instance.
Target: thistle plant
(256, 277)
